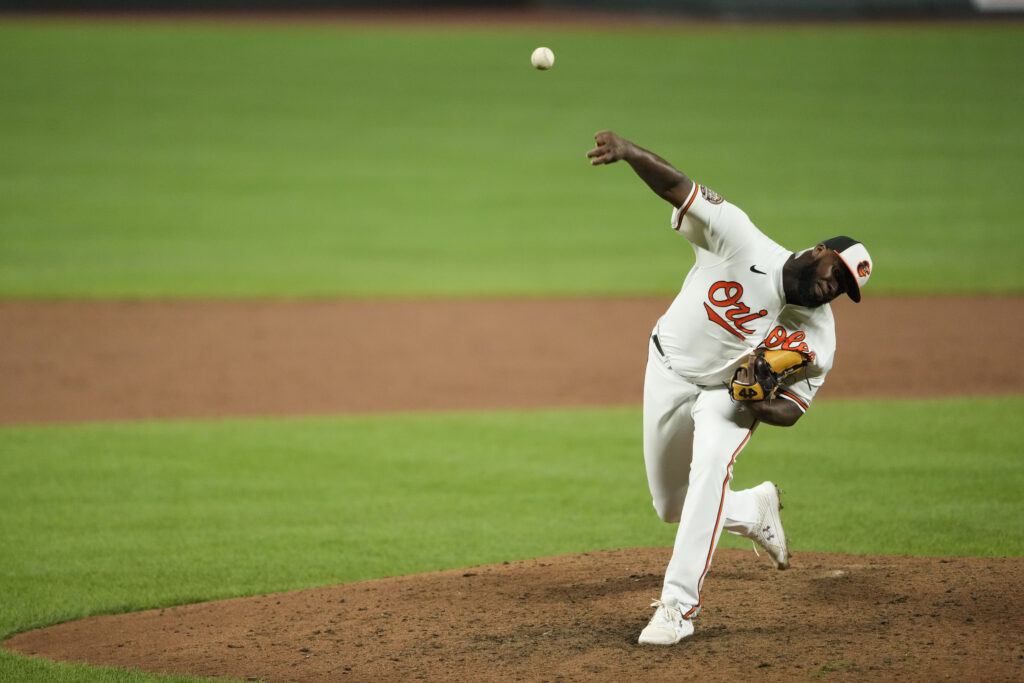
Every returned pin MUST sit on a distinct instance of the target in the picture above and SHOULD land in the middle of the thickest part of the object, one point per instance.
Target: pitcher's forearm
(779, 412)
(664, 179)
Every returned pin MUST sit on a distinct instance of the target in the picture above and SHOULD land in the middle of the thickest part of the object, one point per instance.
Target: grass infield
(171, 159)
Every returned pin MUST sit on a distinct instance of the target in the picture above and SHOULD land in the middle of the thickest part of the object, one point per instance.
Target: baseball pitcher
(749, 339)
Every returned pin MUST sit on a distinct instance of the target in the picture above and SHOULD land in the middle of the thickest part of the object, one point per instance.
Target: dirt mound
(577, 617)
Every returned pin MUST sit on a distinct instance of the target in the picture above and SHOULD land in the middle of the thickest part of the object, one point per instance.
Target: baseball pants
(692, 437)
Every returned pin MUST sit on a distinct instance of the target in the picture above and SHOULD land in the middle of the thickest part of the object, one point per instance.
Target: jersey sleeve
(713, 224)
(803, 386)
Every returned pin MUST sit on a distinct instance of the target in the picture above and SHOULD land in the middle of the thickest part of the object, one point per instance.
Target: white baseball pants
(692, 437)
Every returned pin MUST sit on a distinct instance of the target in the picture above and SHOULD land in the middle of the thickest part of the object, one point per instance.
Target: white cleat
(667, 626)
(768, 533)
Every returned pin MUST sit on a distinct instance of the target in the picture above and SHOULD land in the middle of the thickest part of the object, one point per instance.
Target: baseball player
(708, 383)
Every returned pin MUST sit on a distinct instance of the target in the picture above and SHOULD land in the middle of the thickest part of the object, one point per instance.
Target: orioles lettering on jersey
(726, 295)
(778, 338)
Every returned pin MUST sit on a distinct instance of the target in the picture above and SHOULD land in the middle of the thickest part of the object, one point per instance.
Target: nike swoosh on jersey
(753, 269)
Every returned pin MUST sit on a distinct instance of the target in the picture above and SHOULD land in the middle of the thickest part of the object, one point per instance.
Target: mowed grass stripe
(166, 160)
(117, 517)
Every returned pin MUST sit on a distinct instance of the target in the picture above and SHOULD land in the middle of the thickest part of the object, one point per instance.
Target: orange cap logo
(863, 269)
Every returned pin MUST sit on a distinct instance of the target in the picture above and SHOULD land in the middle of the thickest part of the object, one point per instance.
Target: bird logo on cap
(863, 269)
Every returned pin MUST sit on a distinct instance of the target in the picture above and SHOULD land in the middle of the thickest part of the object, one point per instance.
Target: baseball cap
(857, 260)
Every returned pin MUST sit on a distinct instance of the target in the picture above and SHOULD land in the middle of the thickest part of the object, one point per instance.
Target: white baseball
(542, 58)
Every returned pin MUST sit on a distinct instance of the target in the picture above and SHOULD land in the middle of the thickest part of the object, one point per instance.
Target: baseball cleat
(768, 533)
(667, 626)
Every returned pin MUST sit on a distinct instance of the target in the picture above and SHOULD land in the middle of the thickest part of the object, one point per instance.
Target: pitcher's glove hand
(759, 376)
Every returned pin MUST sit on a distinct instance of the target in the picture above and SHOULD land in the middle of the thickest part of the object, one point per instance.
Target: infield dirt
(832, 617)
(80, 361)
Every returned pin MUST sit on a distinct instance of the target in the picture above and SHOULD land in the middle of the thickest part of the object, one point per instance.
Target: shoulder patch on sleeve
(710, 195)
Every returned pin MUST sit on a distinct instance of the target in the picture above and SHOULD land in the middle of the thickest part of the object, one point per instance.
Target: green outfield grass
(119, 517)
(165, 160)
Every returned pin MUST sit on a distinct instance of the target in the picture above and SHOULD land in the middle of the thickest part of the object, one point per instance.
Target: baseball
(542, 58)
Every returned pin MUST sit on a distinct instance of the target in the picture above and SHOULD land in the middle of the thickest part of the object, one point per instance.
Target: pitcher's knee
(669, 510)
(710, 474)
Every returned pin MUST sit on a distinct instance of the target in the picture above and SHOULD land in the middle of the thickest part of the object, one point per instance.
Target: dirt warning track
(79, 361)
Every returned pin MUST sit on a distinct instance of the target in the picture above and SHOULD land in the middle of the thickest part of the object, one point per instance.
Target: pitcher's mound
(577, 618)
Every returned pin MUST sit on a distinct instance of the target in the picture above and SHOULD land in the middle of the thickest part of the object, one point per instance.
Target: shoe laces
(669, 613)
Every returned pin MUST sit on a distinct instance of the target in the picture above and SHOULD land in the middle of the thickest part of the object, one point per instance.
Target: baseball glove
(759, 376)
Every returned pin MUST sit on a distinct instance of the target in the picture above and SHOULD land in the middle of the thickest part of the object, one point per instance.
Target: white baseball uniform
(731, 302)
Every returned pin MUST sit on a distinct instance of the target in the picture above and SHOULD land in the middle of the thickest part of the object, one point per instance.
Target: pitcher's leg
(741, 511)
(668, 447)
(755, 514)
(668, 436)
(720, 433)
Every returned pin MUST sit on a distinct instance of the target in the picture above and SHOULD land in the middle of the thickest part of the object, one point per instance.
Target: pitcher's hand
(610, 148)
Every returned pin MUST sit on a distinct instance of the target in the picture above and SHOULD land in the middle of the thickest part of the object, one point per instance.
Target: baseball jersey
(732, 300)
(813, 331)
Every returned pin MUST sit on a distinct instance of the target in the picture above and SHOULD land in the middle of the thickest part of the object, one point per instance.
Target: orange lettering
(733, 292)
(718, 320)
(741, 310)
(725, 294)
(792, 342)
(775, 337)
(788, 342)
